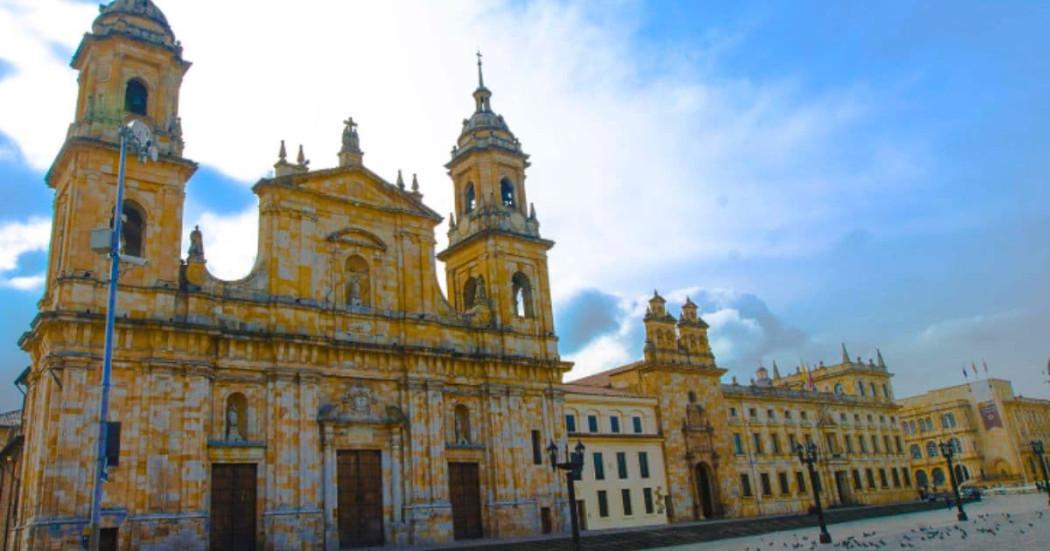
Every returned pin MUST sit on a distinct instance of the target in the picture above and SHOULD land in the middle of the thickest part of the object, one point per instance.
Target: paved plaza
(998, 522)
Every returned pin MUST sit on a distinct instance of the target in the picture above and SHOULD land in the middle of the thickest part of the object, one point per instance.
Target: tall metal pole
(107, 358)
(948, 450)
(808, 455)
(573, 515)
(1037, 447)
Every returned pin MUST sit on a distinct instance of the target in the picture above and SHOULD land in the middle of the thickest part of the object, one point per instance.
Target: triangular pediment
(357, 237)
(362, 186)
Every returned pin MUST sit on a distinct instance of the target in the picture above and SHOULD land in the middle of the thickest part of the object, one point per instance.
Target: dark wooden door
(465, 495)
(233, 506)
(360, 486)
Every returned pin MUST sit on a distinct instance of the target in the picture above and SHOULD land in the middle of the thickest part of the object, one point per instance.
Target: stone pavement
(998, 522)
(705, 531)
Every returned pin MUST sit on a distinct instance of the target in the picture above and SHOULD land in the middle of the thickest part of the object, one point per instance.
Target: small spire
(400, 181)
(845, 354)
(451, 220)
(301, 159)
(881, 362)
(415, 183)
(532, 211)
(776, 372)
(282, 155)
(481, 78)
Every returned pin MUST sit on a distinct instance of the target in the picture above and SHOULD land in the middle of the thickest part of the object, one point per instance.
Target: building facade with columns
(333, 397)
(990, 428)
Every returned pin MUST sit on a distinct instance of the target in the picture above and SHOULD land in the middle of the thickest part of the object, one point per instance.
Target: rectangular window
(792, 443)
(784, 488)
(643, 464)
(752, 412)
(832, 448)
(537, 448)
(767, 488)
(738, 445)
(637, 422)
(874, 444)
(745, 485)
(857, 485)
(592, 423)
(770, 414)
(896, 477)
(882, 478)
(599, 467)
(570, 423)
(886, 443)
(897, 440)
(787, 414)
(808, 439)
(775, 441)
(621, 464)
(800, 480)
(603, 504)
(757, 441)
(871, 478)
(614, 424)
(625, 495)
(863, 443)
(732, 412)
(803, 415)
(907, 477)
(113, 443)
(849, 444)
(647, 497)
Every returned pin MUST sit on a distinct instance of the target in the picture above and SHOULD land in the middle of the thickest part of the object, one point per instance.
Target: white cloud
(230, 241)
(680, 164)
(16, 239)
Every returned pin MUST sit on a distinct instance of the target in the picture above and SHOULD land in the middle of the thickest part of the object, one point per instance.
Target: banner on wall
(990, 415)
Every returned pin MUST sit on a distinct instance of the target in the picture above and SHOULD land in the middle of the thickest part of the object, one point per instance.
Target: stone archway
(706, 490)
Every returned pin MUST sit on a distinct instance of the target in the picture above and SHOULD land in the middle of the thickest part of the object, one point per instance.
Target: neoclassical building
(333, 397)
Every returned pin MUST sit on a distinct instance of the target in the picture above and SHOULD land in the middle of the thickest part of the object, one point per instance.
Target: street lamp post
(1038, 450)
(573, 468)
(139, 138)
(948, 451)
(808, 456)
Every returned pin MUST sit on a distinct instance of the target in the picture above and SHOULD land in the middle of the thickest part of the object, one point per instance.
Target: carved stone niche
(359, 405)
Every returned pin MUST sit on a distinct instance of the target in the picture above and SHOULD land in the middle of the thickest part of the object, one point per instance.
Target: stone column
(331, 533)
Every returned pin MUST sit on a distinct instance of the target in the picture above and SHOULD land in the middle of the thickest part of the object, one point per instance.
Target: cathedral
(336, 397)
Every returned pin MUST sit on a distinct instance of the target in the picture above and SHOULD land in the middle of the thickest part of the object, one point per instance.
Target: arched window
(470, 199)
(938, 476)
(874, 394)
(916, 451)
(838, 388)
(236, 422)
(692, 397)
(506, 192)
(860, 387)
(472, 290)
(921, 480)
(135, 97)
(956, 445)
(358, 283)
(132, 230)
(522, 295)
(961, 474)
(886, 390)
(461, 418)
(931, 449)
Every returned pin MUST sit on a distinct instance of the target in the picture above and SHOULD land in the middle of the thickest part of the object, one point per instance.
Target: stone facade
(990, 427)
(728, 447)
(339, 340)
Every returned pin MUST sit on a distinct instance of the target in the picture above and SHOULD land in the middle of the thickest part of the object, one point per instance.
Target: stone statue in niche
(233, 433)
(354, 291)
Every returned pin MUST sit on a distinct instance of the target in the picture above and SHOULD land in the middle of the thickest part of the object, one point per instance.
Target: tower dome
(484, 128)
(139, 19)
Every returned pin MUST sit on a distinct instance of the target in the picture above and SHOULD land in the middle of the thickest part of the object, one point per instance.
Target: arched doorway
(921, 479)
(705, 489)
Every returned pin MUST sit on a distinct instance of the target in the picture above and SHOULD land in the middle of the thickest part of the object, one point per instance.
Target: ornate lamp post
(1037, 449)
(573, 470)
(948, 451)
(139, 138)
(808, 456)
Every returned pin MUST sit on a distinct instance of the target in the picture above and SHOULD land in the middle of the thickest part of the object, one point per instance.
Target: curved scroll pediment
(358, 237)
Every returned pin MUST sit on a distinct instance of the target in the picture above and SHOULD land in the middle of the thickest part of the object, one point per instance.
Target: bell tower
(496, 259)
(130, 67)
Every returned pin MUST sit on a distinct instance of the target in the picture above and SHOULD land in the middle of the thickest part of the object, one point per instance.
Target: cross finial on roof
(481, 79)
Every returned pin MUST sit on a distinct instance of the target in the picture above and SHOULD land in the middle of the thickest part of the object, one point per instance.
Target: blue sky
(809, 173)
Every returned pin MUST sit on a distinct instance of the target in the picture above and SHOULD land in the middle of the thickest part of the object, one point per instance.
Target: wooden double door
(465, 495)
(360, 498)
(233, 492)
